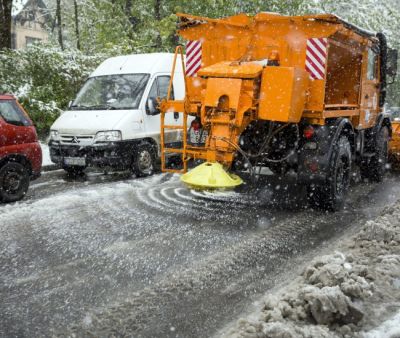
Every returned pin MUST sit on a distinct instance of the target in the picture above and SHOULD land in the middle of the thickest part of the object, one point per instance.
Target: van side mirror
(152, 106)
(69, 104)
(391, 65)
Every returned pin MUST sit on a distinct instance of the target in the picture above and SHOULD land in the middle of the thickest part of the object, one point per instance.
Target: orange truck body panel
(234, 87)
(283, 105)
(395, 143)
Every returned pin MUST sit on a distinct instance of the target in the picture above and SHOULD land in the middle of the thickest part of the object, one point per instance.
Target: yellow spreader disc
(210, 176)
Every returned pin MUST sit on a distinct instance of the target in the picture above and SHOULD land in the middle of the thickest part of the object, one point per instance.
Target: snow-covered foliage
(44, 79)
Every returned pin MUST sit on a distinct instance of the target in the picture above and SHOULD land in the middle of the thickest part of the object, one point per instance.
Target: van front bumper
(117, 155)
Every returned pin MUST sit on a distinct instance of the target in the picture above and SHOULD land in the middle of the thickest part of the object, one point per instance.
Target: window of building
(30, 40)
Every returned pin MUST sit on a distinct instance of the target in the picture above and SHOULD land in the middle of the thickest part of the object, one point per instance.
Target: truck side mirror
(391, 68)
(152, 106)
(69, 104)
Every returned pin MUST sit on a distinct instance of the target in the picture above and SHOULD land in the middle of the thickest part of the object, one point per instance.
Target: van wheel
(14, 182)
(143, 160)
(74, 170)
(375, 169)
(331, 196)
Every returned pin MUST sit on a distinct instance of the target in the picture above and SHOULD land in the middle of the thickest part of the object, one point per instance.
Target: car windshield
(122, 91)
(12, 114)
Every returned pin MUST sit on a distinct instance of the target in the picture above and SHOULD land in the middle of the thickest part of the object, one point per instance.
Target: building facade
(30, 24)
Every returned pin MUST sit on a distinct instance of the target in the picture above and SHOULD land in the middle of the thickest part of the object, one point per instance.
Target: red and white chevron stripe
(316, 54)
(193, 57)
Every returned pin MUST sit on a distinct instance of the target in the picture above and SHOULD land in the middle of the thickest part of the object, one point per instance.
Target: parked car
(114, 120)
(20, 152)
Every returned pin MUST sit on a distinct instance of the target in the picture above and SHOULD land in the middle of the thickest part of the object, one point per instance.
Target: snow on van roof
(138, 63)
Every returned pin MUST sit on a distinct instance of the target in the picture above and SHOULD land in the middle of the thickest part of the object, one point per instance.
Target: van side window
(163, 83)
(12, 114)
(160, 88)
(372, 65)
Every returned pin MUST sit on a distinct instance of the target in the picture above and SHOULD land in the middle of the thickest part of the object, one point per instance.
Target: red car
(20, 152)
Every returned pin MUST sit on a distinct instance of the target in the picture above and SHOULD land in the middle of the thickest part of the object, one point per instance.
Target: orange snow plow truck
(301, 93)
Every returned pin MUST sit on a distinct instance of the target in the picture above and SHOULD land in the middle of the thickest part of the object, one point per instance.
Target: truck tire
(374, 170)
(14, 182)
(143, 160)
(74, 170)
(332, 194)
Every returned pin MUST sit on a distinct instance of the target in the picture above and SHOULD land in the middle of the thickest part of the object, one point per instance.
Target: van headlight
(54, 135)
(108, 136)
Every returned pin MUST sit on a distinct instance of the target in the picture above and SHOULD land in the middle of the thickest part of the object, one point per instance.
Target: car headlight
(54, 135)
(108, 136)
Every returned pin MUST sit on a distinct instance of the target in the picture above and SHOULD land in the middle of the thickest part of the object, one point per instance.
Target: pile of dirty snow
(354, 292)
(45, 154)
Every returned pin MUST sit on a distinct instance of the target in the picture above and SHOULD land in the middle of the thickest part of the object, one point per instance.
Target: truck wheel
(14, 182)
(375, 169)
(143, 160)
(331, 196)
(74, 170)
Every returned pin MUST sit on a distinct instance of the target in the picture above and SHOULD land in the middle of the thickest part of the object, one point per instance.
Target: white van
(114, 121)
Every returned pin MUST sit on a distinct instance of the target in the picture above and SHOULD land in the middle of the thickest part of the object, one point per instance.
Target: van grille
(77, 139)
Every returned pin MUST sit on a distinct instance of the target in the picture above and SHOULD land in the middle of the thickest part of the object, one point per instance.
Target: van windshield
(121, 91)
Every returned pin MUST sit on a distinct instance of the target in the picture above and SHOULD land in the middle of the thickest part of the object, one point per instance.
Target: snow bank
(46, 154)
(388, 329)
(344, 294)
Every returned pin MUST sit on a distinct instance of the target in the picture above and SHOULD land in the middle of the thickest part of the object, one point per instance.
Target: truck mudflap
(315, 153)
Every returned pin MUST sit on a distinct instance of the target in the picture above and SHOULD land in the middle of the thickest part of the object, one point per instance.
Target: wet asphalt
(111, 255)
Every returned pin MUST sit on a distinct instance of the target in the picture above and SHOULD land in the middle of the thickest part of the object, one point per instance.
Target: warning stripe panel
(316, 54)
(193, 57)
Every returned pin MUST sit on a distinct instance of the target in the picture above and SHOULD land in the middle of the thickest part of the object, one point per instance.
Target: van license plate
(80, 161)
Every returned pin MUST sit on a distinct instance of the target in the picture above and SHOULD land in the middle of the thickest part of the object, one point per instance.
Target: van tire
(143, 160)
(374, 170)
(332, 194)
(14, 182)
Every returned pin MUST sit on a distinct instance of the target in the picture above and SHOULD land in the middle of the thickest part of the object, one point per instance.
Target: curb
(50, 167)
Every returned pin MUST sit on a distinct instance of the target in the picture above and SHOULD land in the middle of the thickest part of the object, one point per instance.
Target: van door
(159, 89)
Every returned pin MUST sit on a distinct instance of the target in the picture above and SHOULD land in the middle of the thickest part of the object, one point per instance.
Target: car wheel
(14, 182)
(143, 160)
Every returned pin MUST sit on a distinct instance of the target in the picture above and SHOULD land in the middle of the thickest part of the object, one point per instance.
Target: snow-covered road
(148, 257)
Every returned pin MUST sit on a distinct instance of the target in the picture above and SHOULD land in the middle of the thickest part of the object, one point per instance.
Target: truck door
(369, 101)
(159, 89)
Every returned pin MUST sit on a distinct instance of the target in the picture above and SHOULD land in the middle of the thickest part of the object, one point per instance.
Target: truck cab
(20, 152)
(114, 121)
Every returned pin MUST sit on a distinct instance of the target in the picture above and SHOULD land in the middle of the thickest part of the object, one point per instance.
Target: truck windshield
(121, 91)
